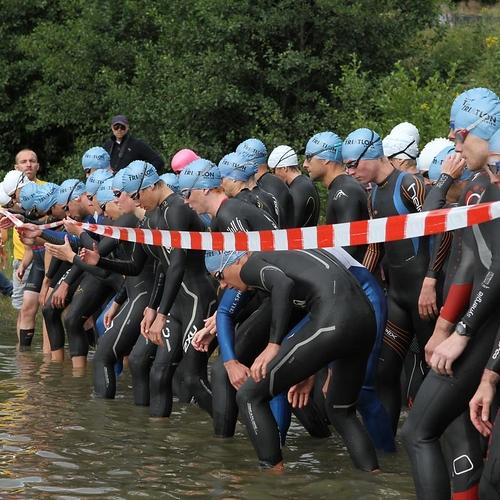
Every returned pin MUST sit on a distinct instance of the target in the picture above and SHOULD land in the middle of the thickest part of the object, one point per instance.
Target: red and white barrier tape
(18, 223)
(393, 228)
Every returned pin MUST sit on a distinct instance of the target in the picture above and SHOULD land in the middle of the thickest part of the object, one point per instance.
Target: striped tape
(393, 228)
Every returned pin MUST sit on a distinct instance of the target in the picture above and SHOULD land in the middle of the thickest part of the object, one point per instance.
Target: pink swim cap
(182, 159)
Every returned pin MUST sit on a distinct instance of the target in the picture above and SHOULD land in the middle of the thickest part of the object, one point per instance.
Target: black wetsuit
(262, 200)
(33, 284)
(188, 298)
(442, 399)
(347, 202)
(489, 487)
(86, 294)
(306, 202)
(328, 293)
(121, 336)
(407, 266)
(462, 443)
(275, 186)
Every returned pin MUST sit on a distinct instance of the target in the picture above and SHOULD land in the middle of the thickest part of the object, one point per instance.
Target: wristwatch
(462, 329)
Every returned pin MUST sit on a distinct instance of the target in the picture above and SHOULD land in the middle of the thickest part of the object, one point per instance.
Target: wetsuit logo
(474, 305)
(412, 190)
(496, 352)
(339, 194)
(189, 338)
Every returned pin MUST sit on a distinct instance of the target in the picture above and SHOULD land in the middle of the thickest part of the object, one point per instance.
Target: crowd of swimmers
(342, 338)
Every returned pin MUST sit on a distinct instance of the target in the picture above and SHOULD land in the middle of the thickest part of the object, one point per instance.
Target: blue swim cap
(69, 190)
(96, 157)
(362, 144)
(466, 97)
(46, 197)
(254, 150)
(217, 261)
(494, 143)
(237, 167)
(105, 192)
(171, 181)
(118, 179)
(27, 196)
(480, 116)
(200, 174)
(95, 180)
(325, 145)
(138, 176)
(437, 164)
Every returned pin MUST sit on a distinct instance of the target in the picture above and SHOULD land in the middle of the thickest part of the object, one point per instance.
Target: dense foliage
(208, 73)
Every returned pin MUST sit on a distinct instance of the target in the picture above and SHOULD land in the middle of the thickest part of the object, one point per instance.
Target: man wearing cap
(238, 181)
(461, 343)
(256, 152)
(401, 147)
(395, 193)
(123, 148)
(283, 161)
(347, 200)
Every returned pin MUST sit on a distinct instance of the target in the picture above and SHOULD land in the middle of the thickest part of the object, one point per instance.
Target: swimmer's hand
(259, 367)
(90, 256)
(203, 338)
(147, 321)
(62, 252)
(298, 394)
(480, 404)
(237, 373)
(447, 352)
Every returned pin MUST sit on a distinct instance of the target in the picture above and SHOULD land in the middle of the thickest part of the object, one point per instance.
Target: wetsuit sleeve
(258, 273)
(83, 267)
(231, 302)
(105, 247)
(57, 237)
(461, 287)
(159, 283)
(375, 251)
(441, 248)
(436, 198)
(413, 192)
(485, 300)
(131, 267)
(53, 268)
(175, 261)
(121, 296)
(494, 361)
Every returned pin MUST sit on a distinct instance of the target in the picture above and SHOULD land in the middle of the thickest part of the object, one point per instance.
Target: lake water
(58, 441)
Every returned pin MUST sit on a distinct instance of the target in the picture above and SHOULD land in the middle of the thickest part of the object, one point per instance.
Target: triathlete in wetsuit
(256, 153)
(407, 260)
(459, 351)
(200, 182)
(187, 296)
(237, 181)
(347, 200)
(283, 161)
(331, 334)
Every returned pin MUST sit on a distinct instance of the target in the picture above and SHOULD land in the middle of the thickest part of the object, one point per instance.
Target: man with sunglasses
(459, 348)
(284, 163)
(347, 199)
(407, 261)
(256, 153)
(123, 148)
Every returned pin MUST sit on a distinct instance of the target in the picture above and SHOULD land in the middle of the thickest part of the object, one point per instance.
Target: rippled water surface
(58, 441)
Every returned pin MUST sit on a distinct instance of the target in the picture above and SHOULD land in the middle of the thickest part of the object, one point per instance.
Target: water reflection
(57, 440)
